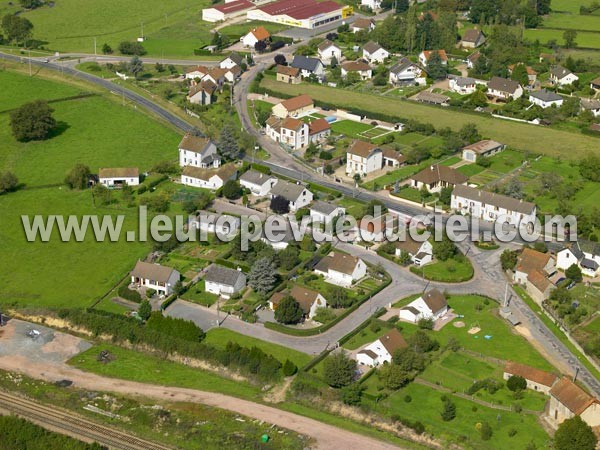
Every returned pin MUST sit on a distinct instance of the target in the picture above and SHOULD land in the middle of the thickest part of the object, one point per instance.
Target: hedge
(316, 360)
(380, 312)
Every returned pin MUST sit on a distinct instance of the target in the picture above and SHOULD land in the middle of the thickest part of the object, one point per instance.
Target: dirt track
(327, 436)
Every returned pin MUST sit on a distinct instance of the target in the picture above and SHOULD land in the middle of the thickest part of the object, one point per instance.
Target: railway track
(74, 425)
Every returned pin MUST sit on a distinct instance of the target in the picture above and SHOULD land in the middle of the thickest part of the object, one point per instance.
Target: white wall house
(504, 89)
(363, 70)
(482, 149)
(341, 269)
(375, 53)
(233, 60)
(591, 105)
(568, 400)
(259, 183)
(328, 50)
(118, 177)
(198, 152)
(533, 271)
(224, 281)
(432, 305)
(255, 35)
(363, 158)
(220, 224)
(310, 301)
(426, 54)
(382, 350)
(491, 207)
(405, 72)
(545, 99)
(325, 212)
(420, 253)
(537, 380)
(290, 132)
(154, 276)
(296, 194)
(584, 254)
(212, 179)
(462, 85)
(373, 4)
(562, 76)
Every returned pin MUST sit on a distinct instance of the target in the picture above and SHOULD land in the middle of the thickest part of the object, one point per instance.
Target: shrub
(512, 432)
(407, 398)
(289, 368)
(486, 431)
(128, 294)
(516, 383)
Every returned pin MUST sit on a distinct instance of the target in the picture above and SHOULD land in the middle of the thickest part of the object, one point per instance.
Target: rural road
(288, 167)
(327, 437)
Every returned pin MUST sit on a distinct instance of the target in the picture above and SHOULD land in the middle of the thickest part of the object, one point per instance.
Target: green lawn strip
(353, 207)
(585, 39)
(144, 368)
(536, 139)
(197, 294)
(348, 424)
(451, 161)
(426, 406)
(367, 335)
(449, 271)
(397, 175)
(556, 331)
(506, 161)
(240, 29)
(219, 337)
(350, 128)
(470, 169)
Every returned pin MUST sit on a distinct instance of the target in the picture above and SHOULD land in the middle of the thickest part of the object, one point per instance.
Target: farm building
(219, 13)
(115, 178)
(300, 13)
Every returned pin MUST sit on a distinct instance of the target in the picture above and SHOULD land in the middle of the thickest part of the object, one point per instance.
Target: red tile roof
(300, 9)
(572, 396)
(237, 5)
(530, 373)
(260, 33)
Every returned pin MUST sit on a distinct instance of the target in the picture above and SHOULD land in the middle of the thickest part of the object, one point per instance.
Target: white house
(584, 254)
(319, 130)
(341, 269)
(568, 400)
(118, 177)
(462, 85)
(373, 4)
(363, 158)
(405, 72)
(227, 10)
(533, 271)
(472, 59)
(363, 70)
(198, 152)
(258, 183)
(220, 224)
(375, 53)
(328, 50)
(196, 73)
(324, 212)
(420, 252)
(490, 207)
(212, 179)
(591, 105)
(255, 35)
(504, 89)
(202, 93)
(154, 276)
(483, 148)
(432, 305)
(437, 177)
(294, 107)
(426, 54)
(545, 99)
(296, 194)
(537, 380)
(310, 301)
(362, 24)
(382, 350)
(308, 66)
(562, 76)
(290, 132)
(224, 281)
(234, 59)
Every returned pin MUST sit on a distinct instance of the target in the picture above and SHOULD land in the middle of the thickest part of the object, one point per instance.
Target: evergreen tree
(262, 276)
(449, 410)
(516, 383)
(575, 434)
(435, 68)
(136, 66)
(228, 145)
(145, 310)
(573, 273)
(288, 311)
(338, 370)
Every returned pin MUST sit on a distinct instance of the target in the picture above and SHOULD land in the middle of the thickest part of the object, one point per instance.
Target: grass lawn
(426, 406)
(451, 161)
(17, 89)
(238, 30)
(353, 207)
(585, 39)
(536, 139)
(470, 169)
(67, 26)
(413, 195)
(197, 294)
(219, 337)
(506, 161)
(144, 368)
(367, 335)
(449, 271)
(397, 175)
(350, 128)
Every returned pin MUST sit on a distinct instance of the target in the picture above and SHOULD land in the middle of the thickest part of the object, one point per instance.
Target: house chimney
(432, 168)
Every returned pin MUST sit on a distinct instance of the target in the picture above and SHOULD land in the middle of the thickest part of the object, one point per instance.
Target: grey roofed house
(462, 81)
(306, 63)
(154, 272)
(590, 103)
(560, 72)
(255, 177)
(290, 191)
(323, 207)
(484, 146)
(402, 65)
(491, 198)
(236, 58)
(223, 275)
(503, 85)
(546, 96)
(371, 47)
(338, 262)
(475, 36)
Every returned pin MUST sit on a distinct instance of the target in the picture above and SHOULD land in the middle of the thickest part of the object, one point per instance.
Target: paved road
(284, 164)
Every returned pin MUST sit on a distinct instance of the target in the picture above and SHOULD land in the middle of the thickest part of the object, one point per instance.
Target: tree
(333, 62)
(514, 188)
(8, 182)
(136, 66)
(289, 368)
(17, 29)
(420, 342)
(469, 133)
(444, 249)
(145, 310)
(228, 145)
(446, 195)
(589, 168)
(32, 121)
(436, 69)
(449, 410)
(486, 431)
(575, 434)
(262, 276)
(132, 48)
(516, 383)
(508, 259)
(338, 370)
(288, 257)
(106, 49)
(478, 99)
(280, 59)
(232, 190)
(351, 395)
(280, 205)
(30, 4)
(393, 377)
(78, 177)
(260, 46)
(573, 273)
(520, 75)
(338, 297)
(288, 311)
(569, 37)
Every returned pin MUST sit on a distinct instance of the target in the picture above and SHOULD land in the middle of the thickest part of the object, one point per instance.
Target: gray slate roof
(503, 85)
(462, 81)
(560, 72)
(546, 96)
(402, 65)
(490, 198)
(323, 207)
(287, 190)
(255, 177)
(151, 271)
(306, 63)
(371, 47)
(223, 275)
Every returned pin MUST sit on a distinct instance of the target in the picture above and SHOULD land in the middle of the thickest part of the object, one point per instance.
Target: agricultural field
(536, 139)
(585, 39)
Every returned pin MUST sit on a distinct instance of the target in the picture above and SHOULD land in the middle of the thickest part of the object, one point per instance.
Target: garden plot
(375, 133)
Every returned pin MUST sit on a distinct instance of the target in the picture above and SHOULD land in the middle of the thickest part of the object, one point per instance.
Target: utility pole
(29, 62)
(95, 52)
(576, 374)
